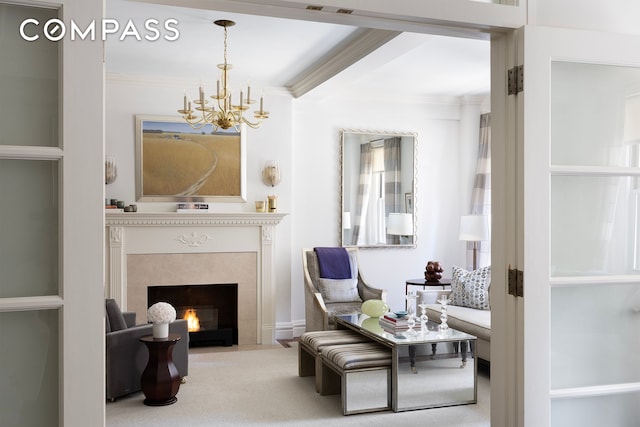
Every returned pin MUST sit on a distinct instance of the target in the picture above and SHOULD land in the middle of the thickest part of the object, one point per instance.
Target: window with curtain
(379, 191)
(481, 192)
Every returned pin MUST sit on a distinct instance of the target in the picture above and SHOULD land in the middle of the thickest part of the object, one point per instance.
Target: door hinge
(516, 282)
(515, 80)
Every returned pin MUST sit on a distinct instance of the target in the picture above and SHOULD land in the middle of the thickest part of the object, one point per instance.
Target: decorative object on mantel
(110, 170)
(161, 314)
(273, 202)
(433, 271)
(261, 206)
(271, 173)
(227, 115)
(115, 205)
(192, 207)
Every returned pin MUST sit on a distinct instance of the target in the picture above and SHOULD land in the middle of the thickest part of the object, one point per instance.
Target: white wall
(445, 161)
(128, 97)
(303, 136)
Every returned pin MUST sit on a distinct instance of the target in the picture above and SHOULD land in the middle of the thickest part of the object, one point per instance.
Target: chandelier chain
(225, 45)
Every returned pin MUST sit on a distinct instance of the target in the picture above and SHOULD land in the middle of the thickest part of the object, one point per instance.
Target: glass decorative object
(423, 317)
(411, 312)
(444, 302)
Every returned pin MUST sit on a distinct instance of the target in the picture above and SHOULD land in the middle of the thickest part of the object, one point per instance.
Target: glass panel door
(595, 290)
(30, 303)
(582, 287)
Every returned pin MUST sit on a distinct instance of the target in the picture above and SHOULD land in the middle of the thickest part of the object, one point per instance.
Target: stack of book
(193, 207)
(394, 324)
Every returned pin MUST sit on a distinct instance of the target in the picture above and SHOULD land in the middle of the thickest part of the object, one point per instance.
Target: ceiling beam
(360, 44)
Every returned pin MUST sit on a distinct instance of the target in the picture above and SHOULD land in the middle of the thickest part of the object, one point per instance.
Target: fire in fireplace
(211, 311)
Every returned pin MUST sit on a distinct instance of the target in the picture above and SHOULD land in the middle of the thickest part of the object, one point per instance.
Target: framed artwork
(176, 163)
(408, 202)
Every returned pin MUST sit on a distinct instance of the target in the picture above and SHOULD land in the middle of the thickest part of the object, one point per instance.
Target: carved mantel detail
(194, 239)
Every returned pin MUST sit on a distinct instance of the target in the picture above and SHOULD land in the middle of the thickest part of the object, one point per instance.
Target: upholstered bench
(361, 373)
(311, 343)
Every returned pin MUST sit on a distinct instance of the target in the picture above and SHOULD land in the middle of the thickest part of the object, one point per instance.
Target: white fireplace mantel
(185, 233)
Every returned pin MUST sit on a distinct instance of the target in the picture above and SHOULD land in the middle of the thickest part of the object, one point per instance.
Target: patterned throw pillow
(471, 288)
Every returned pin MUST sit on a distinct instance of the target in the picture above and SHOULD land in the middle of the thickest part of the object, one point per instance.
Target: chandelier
(221, 112)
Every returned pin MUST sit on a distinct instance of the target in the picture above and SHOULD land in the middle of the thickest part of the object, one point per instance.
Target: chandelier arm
(254, 125)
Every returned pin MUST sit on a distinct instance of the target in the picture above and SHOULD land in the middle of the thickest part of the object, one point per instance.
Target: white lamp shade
(346, 220)
(400, 224)
(474, 228)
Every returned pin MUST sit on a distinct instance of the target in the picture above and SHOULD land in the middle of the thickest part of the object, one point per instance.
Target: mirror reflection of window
(379, 191)
(377, 180)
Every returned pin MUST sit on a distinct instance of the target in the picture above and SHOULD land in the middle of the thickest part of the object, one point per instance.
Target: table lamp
(474, 228)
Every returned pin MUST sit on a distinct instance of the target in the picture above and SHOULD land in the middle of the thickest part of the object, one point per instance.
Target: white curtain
(392, 174)
(364, 192)
(481, 192)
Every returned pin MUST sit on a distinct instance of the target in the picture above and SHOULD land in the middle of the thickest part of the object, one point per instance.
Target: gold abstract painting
(178, 163)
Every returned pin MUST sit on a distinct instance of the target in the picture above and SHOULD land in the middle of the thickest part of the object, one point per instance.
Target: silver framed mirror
(377, 188)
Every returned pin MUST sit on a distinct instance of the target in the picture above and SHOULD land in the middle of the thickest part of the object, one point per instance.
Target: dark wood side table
(160, 380)
(443, 284)
(422, 282)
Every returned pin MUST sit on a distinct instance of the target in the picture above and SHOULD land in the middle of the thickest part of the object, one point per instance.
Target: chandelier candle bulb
(185, 102)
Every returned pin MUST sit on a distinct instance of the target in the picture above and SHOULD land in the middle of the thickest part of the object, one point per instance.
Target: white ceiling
(273, 52)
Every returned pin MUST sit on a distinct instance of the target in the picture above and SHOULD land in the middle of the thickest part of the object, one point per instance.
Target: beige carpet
(261, 388)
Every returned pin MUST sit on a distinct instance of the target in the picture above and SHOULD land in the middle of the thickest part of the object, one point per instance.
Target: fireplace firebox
(211, 310)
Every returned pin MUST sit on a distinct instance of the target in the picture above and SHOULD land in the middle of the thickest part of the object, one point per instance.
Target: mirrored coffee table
(420, 377)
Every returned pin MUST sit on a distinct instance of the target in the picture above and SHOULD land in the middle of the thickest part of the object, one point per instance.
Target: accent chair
(326, 298)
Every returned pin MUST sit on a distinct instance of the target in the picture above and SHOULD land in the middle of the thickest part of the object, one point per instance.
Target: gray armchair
(320, 313)
(126, 357)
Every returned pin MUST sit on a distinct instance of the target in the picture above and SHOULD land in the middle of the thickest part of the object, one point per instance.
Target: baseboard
(290, 330)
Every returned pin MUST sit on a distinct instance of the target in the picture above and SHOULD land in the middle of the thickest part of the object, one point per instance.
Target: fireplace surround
(147, 249)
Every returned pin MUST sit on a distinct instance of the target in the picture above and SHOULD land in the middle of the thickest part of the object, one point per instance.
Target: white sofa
(469, 320)
(469, 308)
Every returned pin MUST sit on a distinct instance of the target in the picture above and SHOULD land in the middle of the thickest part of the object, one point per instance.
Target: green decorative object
(372, 325)
(374, 307)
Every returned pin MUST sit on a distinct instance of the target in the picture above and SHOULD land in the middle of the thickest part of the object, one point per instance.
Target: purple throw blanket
(334, 263)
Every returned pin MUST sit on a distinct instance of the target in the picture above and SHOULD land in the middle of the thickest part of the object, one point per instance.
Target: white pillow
(339, 290)
(471, 288)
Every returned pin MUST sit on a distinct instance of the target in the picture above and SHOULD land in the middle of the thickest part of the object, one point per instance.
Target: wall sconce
(110, 171)
(271, 173)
